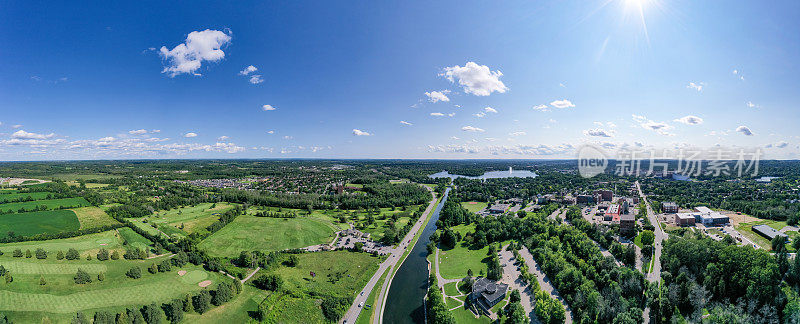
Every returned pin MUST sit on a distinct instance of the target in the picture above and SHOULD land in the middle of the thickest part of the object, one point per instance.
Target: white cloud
(438, 114)
(452, 148)
(16, 126)
(690, 120)
(451, 114)
(455, 138)
(598, 132)
(155, 131)
(491, 139)
(190, 134)
(21, 134)
(562, 104)
(107, 139)
(531, 149)
(199, 46)
(658, 127)
(268, 107)
(476, 79)
(436, 96)
(271, 132)
(406, 123)
(256, 79)
(696, 86)
(138, 132)
(490, 110)
(287, 137)
(358, 132)
(750, 104)
(744, 130)
(781, 144)
(472, 129)
(222, 138)
(248, 70)
(518, 133)
(479, 114)
(541, 108)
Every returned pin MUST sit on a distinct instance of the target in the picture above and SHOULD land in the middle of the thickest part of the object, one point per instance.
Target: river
(404, 304)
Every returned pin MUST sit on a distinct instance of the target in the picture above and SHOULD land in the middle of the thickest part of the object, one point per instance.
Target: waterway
(404, 304)
(488, 175)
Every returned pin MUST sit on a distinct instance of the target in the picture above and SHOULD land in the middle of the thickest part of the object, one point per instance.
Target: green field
(747, 230)
(474, 206)
(91, 217)
(32, 223)
(190, 219)
(454, 263)
(13, 195)
(234, 311)
(85, 244)
(248, 233)
(60, 298)
(50, 203)
(134, 239)
(465, 316)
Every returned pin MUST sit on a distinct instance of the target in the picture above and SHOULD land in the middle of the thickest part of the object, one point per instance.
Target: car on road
(360, 304)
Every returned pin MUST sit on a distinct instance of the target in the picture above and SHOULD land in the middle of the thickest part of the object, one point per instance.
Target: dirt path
(250, 275)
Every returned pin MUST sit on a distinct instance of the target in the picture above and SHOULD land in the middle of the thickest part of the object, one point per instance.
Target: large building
(627, 223)
(708, 217)
(768, 232)
(499, 208)
(684, 219)
(584, 199)
(669, 207)
(612, 213)
(605, 195)
(487, 293)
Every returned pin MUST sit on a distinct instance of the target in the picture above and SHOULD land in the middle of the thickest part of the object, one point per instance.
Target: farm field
(32, 223)
(190, 219)
(247, 233)
(9, 195)
(50, 203)
(91, 217)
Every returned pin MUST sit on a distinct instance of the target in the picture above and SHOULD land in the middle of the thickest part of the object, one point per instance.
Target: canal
(404, 304)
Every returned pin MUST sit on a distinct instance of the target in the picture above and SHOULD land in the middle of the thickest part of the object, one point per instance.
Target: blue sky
(521, 79)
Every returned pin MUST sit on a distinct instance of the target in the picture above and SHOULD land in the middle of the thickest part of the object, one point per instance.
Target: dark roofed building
(767, 231)
(487, 293)
(499, 208)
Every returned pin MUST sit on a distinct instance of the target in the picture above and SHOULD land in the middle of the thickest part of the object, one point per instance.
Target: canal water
(404, 304)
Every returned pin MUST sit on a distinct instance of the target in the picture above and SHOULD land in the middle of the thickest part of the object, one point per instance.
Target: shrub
(81, 277)
(134, 273)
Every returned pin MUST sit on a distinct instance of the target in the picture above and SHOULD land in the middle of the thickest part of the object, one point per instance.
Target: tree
(223, 294)
(81, 277)
(41, 254)
(165, 266)
(9, 278)
(271, 282)
(72, 254)
(17, 253)
(514, 297)
(174, 311)
(102, 255)
(80, 318)
(28, 254)
(42, 282)
(103, 318)
(115, 255)
(152, 314)
(122, 318)
(292, 261)
(135, 316)
(60, 255)
(201, 301)
(647, 237)
(101, 276)
(153, 268)
(134, 273)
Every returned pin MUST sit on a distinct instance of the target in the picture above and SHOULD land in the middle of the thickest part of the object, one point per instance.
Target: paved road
(544, 281)
(389, 264)
(660, 236)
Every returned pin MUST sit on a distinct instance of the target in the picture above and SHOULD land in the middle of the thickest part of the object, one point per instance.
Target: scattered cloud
(598, 132)
(476, 79)
(690, 120)
(541, 108)
(490, 110)
(658, 127)
(436, 96)
(437, 114)
(750, 104)
(479, 114)
(520, 133)
(696, 86)
(256, 79)
(562, 104)
(406, 123)
(223, 138)
(780, 144)
(190, 134)
(270, 132)
(358, 132)
(187, 57)
(472, 129)
(268, 108)
(138, 132)
(738, 74)
(248, 70)
(455, 138)
(744, 130)
(287, 137)
(453, 148)
(529, 150)
(21, 134)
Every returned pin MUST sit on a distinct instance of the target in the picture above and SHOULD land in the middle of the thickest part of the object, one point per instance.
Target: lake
(488, 175)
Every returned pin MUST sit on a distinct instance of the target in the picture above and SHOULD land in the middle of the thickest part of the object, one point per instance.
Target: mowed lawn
(62, 296)
(85, 244)
(32, 223)
(13, 195)
(248, 233)
(133, 239)
(474, 206)
(454, 263)
(91, 217)
(49, 203)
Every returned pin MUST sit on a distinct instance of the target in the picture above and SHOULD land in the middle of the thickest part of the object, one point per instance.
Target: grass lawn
(134, 239)
(50, 203)
(89, 185)
(13, 195)
(465, 316)
(454, 263)
(91, 217)
(190, 219)
(60, 298)
(452, 302)
(747, 230)
(354, 185)
(283, 308)
(451, 289)
(235, 311)
(85, 244)
(474, 206)
(145, 226)
(250, 233)
(32, 223)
